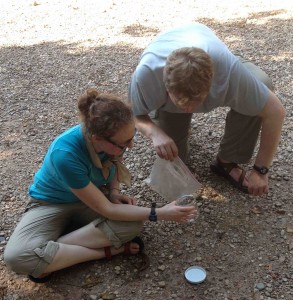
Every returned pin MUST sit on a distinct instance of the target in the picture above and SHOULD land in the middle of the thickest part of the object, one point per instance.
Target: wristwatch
(261, 170)
(153, 215)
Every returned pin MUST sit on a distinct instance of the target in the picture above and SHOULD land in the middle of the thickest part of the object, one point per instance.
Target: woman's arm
(97, 201)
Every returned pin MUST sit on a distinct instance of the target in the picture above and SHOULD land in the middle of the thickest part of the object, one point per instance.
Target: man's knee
(259, 74)
(263, 77)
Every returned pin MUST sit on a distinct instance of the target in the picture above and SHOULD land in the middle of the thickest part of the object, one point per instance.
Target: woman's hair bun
(92, 92)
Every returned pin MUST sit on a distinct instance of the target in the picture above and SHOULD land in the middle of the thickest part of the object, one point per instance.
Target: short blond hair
(188, 73)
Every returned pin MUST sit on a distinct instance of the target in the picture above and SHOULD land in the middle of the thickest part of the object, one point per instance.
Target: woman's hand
(117, 198)
(180, 214)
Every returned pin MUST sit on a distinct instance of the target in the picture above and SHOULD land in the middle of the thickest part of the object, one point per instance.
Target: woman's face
(118, 143)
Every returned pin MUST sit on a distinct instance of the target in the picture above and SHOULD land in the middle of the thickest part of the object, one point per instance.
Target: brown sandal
(224, 169)
(40, 279)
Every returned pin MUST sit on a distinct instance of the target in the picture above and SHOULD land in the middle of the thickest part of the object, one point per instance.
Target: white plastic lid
(195, 274)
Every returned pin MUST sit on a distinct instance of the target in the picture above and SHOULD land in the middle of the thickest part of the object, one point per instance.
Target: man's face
(187, 105)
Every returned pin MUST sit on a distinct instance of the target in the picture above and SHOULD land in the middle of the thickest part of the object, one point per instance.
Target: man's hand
(164, 145)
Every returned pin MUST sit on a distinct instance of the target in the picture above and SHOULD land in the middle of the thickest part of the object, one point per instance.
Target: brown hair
(188, 72)
(103, 114)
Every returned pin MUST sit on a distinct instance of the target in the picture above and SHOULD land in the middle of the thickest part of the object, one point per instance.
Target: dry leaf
(257, 209)
(108, 295)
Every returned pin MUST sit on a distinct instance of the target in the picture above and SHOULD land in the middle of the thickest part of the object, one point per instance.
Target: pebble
(161, 268)
(282, 258)
(260, 286)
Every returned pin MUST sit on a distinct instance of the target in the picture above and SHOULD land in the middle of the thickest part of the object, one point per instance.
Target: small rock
(162, 284)
(260, 286)
(282, 258)
(161, 268)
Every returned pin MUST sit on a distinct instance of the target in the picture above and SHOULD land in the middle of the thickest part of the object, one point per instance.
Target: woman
(70, 218)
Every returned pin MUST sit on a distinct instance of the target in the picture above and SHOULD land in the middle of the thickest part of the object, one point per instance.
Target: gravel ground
(51, 51)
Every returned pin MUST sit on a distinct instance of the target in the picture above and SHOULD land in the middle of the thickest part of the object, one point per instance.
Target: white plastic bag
(172, 179)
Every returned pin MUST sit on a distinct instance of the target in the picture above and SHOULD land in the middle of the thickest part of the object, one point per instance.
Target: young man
(189, 70)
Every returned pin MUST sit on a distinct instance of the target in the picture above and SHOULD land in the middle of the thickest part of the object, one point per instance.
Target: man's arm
(164, 145)
(272, 115)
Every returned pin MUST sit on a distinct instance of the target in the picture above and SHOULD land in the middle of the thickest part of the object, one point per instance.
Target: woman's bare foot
(134, 247)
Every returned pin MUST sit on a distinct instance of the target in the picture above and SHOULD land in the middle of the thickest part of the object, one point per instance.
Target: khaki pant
(241, 132)
(32, 246)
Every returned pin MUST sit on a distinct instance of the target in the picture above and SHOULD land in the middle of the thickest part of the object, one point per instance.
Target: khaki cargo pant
(32, 246)
(241, 132)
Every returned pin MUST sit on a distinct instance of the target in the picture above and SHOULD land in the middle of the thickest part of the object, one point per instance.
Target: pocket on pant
(31, 205)
(47, 252)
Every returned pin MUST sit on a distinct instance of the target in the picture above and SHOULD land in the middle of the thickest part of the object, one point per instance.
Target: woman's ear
(94, 137)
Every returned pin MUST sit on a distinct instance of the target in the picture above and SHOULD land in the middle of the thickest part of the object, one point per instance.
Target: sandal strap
(108, 253)
(140, 242)
(227, 166)
(242, 176)
(127, 248)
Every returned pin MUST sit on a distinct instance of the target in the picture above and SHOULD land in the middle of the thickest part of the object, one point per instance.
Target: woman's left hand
(122, 199)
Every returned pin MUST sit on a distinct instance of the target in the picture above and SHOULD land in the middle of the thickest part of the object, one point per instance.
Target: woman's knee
(129, 230)
(30, 260)
(121, 232)
(137, 228)
(17, 259)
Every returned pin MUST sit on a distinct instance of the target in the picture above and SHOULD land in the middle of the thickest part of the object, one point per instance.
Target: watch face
(261, 170)
(153, 217)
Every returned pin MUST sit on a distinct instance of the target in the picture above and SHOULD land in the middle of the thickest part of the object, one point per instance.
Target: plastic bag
(172, 179)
